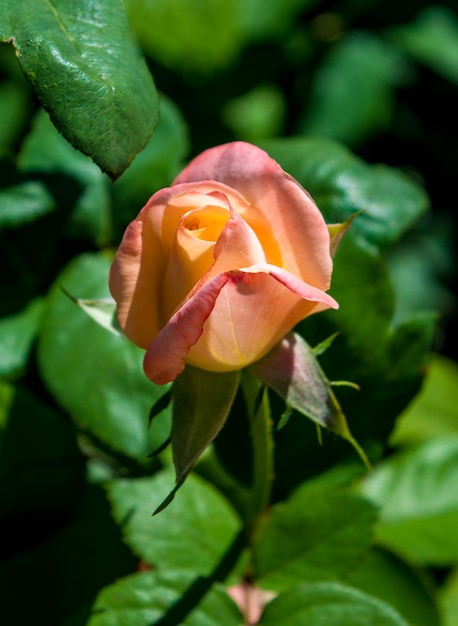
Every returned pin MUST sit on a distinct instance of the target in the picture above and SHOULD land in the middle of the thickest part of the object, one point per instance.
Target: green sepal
(337, 231)
(201, 402)
(292, 370)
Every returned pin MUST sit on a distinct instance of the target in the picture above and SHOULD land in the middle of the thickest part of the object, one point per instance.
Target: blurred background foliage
(331, 89)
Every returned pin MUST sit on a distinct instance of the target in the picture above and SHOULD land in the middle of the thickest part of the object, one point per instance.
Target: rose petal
(296, 221)
(192, 254)
(232, 321)
(165, 356)
(237, 247)
(133, 284)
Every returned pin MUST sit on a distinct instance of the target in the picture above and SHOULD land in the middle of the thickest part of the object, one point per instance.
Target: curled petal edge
(165, 356)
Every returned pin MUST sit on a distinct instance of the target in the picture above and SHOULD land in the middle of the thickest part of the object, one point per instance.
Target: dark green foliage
(356, 100)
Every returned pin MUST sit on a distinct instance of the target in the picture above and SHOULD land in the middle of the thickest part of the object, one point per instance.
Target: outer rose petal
(232, 321)
(298, 224)
(134, 280)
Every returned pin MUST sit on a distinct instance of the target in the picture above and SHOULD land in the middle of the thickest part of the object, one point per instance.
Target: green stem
(262, 440)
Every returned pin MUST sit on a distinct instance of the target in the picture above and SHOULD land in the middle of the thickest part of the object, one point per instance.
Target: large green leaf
(318, 534)
(419, 501)
(95, 375)
(143, 599)
(323, 604)
(389, 578)
(342, 185)
(192, 534)
(87, 71)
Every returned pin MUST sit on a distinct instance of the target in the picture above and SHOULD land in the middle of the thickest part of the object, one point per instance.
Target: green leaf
(97, 376)
(192, 534)
(342, 185)
(351, 95)
(17, 333)
(193, 35)
(143, 599)
(433, 40)
(85, 67)
(46, 151)
(101, 310)
(385, 576)
(323, 604)
(419, 501)
(257, 114)
(449, 600)
(318, 534)
(265, 20)
(24, 203)
(201, 403)
(437, 398)
(292, 370)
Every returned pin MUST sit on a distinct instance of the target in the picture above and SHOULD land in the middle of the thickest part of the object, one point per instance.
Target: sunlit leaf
(434, 411)
(95, 375)
(389, 578)
(318, 534)
(88, 73)
(191, 534)
(143, 599)
(417, 494)
(322, 604)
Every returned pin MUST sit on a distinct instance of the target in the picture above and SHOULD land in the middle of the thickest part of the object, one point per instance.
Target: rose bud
(217, 268)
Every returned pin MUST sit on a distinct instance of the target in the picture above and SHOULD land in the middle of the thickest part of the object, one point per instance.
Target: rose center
(206, 223)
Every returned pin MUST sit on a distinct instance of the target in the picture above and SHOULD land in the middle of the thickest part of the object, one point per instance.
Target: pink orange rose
(217, 268)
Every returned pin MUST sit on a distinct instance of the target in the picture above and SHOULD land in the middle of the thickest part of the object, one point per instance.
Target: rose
(219, 267)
